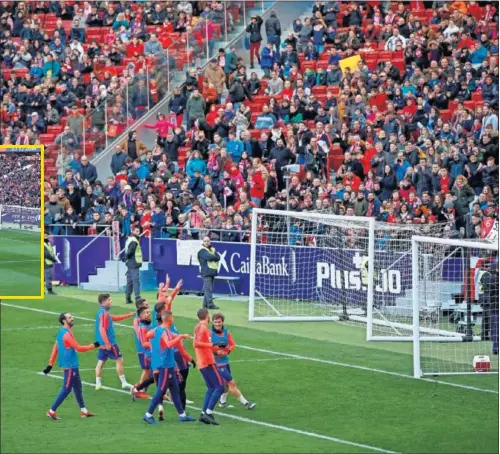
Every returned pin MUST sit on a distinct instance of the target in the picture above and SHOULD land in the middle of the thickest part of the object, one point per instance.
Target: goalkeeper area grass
(20, 271)
(319, 387)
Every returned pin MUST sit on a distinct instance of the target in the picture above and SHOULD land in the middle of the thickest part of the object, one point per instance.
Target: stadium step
(111, 277)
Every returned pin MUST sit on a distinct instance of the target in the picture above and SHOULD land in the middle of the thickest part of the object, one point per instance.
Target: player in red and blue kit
(105, 335)
(142, 324)
(182, 357)
(184, 361)
(162, 359)
(65, 349)
(223, 345)
(206, 365)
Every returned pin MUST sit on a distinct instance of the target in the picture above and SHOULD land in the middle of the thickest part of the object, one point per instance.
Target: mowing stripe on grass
(291, 355)
(253, 421)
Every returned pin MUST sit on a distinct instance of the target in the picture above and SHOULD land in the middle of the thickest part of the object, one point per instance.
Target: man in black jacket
(208, 259)
(50, 260)
(171, 147)
(255, 37)
(273, 30)
(282, 156)
(133, 260)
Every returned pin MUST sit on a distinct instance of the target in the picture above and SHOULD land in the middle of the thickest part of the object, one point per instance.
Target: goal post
(301, 267)
(455, 306)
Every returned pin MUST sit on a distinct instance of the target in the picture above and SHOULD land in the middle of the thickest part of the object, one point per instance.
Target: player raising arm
(164, 299)
(206, 364)
(162, 360)
(223, 345)
(65, 349)
(105, 335)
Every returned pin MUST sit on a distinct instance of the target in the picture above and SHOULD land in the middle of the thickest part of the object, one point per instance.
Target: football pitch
(319, 387)
(19, 263)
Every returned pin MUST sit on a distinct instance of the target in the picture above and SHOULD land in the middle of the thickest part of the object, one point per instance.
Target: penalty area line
(291, 355)
(254, 421)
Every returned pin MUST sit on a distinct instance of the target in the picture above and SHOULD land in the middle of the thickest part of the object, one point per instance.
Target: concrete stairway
(111, 277)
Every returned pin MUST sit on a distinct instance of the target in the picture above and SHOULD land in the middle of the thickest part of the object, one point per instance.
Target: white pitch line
(305, 358)
(256, 422)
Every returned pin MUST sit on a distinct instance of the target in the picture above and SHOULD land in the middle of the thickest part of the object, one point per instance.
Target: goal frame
(370, 227)
(417, 337)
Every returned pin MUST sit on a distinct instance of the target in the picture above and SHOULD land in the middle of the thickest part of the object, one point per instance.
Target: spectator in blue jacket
(196, 164)
(267, 59)
(478, 55)
(234, 147)
(157, 221)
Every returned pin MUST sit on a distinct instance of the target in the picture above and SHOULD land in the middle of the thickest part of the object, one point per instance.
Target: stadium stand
(17, 176)
(389, 108)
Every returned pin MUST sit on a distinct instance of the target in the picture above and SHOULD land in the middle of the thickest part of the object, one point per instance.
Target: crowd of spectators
(61, 60)
(408, 136)
(20, 176)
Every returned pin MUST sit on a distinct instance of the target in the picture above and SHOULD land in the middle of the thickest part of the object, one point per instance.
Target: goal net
(322, 266)
(310, 266)
(20, 218)
(455, 306)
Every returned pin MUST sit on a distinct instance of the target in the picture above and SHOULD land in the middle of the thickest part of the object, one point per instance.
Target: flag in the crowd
(489, 229)
(351, 63)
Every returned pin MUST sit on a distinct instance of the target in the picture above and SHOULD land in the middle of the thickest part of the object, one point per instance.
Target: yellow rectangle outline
(42, 223)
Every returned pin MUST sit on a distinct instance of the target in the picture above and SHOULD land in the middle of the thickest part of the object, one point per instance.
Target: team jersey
(162, 347)
(65, 349)
(226, 338)
(104, 329)
(141, 343)
(203, 346)
(182, 357)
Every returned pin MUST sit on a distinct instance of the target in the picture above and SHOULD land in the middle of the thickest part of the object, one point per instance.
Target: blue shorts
(114, 353)
(225, 372)
(144, 361)
(212, 376)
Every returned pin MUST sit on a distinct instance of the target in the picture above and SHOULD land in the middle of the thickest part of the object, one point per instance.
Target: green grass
(20, 263)
(330, 399)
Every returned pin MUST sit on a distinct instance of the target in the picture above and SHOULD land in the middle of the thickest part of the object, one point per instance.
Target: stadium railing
(192, 49)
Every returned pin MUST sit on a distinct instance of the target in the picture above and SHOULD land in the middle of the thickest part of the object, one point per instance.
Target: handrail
(166, 99)
(78, 256)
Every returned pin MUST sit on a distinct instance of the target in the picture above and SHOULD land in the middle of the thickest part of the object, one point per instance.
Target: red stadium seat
(452, 105)
(319, 90)
(471, 105)
(54, 129)
(446, 115)
(477, 96)
(308, 64)
(47, 139)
